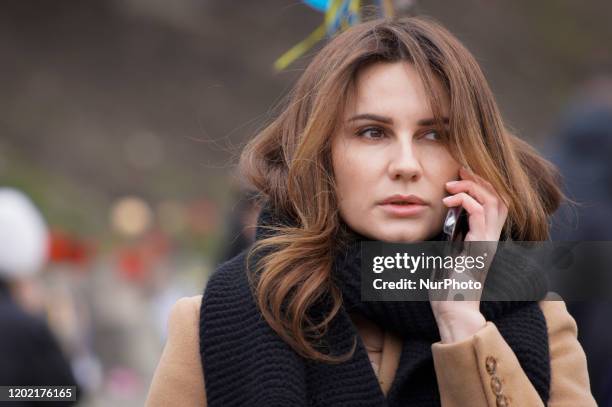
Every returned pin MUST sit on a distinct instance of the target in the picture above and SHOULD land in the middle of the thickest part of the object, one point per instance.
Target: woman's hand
(487, 215)
(487, 212)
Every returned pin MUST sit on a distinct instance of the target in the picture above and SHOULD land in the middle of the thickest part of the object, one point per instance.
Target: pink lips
(403, 205)
(403, 210)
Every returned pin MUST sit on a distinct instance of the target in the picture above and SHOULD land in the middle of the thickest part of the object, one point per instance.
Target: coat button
(502, 401)
(496, 385)
(491, 364)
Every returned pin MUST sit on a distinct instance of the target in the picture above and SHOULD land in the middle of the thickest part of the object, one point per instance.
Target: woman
(388, 107)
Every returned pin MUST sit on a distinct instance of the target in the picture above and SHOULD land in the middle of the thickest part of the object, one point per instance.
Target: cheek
(349, 171)
(355, 177)
(442, 167)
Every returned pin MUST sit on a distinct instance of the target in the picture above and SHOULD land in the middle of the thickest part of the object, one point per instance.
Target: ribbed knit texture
(247, 364)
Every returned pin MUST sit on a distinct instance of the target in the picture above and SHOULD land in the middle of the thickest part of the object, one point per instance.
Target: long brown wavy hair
(289, 163)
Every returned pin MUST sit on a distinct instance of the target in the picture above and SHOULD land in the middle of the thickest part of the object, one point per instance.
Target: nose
(404, 162)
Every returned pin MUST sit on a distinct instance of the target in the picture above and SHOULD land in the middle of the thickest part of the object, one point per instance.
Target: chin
(403, 238)
(398, 236)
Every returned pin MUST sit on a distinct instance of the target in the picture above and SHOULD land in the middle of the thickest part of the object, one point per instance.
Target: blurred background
(122, 122)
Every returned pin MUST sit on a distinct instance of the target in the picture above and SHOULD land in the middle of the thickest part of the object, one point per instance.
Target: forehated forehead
(389, 88)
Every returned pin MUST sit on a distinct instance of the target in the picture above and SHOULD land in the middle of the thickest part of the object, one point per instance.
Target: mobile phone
(456, 225)
(455, 229)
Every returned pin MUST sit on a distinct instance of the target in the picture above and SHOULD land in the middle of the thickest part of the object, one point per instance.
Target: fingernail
(447, 198)
(451, 182)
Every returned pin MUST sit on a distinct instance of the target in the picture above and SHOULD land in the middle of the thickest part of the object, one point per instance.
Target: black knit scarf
(247, 364)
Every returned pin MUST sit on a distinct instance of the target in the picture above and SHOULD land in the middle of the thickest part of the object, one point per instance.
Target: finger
(483, 196)
(488, 201)
(498, 202)
(476, 218)
(485, 184)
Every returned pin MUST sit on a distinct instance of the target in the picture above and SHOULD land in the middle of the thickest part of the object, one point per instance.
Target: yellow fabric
(463, 378)
(331, 15)
(461, 370)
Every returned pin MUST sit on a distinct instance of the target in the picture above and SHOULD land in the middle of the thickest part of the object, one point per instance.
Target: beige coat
(478, 371)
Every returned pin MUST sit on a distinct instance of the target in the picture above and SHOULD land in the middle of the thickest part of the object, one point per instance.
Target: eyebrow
(388, 120)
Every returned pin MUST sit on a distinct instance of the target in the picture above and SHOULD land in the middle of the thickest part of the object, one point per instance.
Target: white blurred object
(24, 244)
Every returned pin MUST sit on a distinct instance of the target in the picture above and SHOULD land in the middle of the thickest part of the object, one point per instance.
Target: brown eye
(371, 133)
(432, 135)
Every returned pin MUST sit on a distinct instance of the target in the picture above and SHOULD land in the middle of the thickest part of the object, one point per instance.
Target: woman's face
(387, 145)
